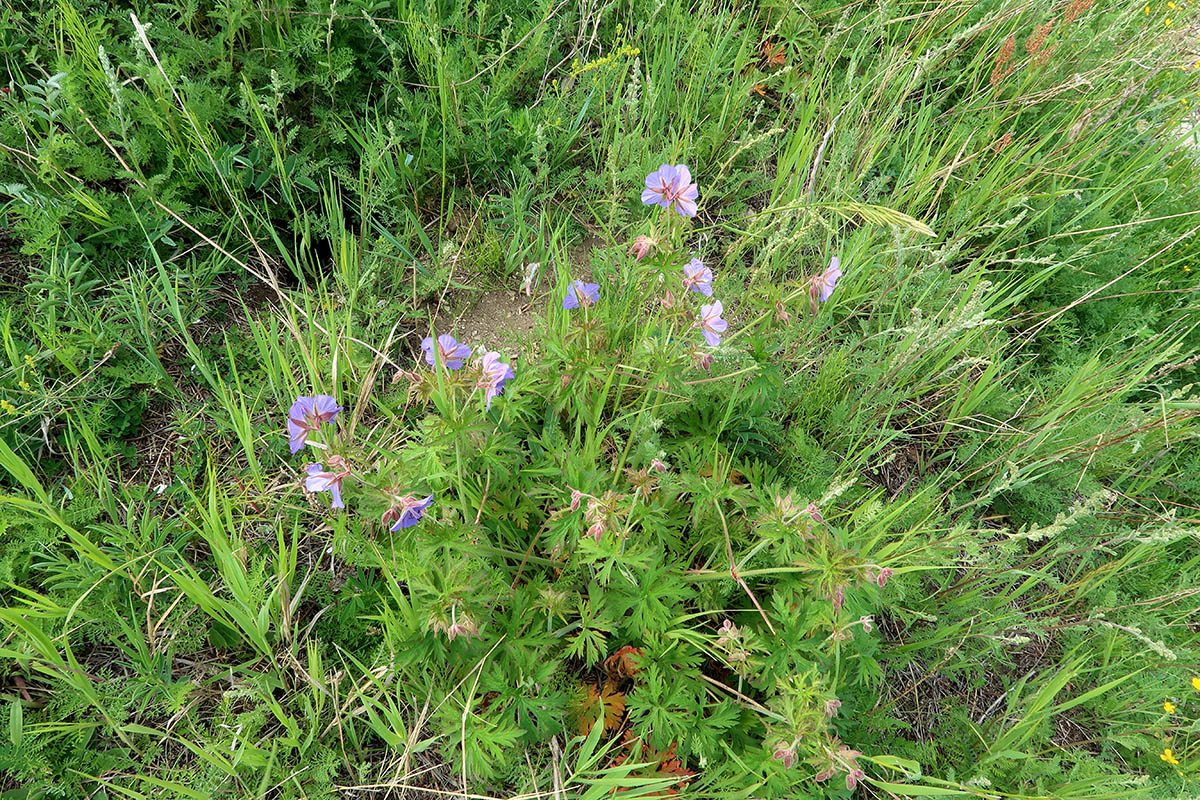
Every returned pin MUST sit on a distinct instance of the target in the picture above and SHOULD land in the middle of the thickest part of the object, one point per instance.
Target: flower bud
(641, 247)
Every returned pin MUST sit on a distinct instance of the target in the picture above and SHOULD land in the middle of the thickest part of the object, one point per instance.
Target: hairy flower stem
(733, 573)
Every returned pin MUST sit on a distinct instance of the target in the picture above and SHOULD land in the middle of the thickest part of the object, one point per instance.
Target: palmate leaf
(592, 701)
(587, 645)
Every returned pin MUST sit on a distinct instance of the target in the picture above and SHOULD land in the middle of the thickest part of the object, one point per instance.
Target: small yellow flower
(1167, 22)
(1170, 5)
(1195, 681)
(24, 385)
(7, 407)
(1168, 756)
(1146, 10)
(1169, 707)
(29, 359)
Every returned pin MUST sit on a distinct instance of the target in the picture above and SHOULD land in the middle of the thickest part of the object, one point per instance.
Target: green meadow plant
(387, 410)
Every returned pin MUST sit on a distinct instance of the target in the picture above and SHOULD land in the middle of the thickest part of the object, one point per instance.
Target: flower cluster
(1171, 708)
(307, 416)
(671, 186)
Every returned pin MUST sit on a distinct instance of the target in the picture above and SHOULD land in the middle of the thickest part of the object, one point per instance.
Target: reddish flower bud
(641, 247)
(838, 598)
(787, 755)
(781, 313)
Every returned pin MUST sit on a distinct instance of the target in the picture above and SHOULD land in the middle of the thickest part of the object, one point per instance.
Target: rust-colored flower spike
(1075, 10)
(1038, 38)
(1001, 68)
(1044, 56)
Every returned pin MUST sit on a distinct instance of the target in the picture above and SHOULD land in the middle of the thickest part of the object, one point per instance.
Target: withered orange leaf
(591, 701)
(624, 662)
(773, 54)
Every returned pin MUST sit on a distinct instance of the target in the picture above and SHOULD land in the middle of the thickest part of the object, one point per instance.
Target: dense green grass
(621, 586)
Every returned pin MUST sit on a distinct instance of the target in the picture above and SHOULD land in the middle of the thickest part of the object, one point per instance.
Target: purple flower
(822, 285)
(671, 186)
(495, 373)
(711, 322)
(322, 480)
(449, 351)
(698, 278)
(306, 416)
(579, 292)
(410, 510)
